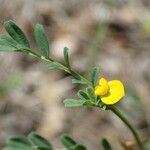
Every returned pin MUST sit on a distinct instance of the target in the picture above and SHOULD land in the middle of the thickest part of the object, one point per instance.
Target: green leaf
(18, 143)
(79, 147)
(40, 148)
(38, 140)
(16, 33)
(88, 103)
(67, 141)
(73, 103)
(7, 44)
(9, 148)
(41, 39)
(82, 95)
(75, 81)
(66, 57)
(94, 75)
(106, 144)
(90, 92)
(55, 65)
(147, 145)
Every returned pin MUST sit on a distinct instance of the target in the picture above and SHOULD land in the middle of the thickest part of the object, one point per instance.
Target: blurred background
(111, 34)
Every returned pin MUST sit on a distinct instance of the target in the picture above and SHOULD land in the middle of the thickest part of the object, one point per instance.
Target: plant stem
(127, 123)
(68, 69)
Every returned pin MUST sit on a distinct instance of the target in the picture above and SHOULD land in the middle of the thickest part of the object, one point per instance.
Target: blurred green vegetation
(8, 85)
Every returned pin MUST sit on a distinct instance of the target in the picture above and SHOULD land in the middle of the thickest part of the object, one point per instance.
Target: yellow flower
(110, 92)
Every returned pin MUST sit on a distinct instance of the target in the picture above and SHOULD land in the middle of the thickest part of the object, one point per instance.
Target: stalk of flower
(111, 92)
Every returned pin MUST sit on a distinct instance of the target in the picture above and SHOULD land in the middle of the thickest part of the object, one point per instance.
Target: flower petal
(115, 94)
(102, 88)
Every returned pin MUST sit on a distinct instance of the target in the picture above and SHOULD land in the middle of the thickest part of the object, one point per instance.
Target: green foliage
(79, 147)
(19, 42)
(94, 75)
(89, 103)
(90, 92)
(57, 66)
(18, 143)
(75, 81)
(67, 141)
(70, 144)
(106, 145)
(32, 142)
(86, 99)
(16, 33)
(147, 145)
(40, 148)
(8, 44)
(39, 141)
(66, 57)
(73, 102)
(82, 95)
(41, 40)
(36, 142)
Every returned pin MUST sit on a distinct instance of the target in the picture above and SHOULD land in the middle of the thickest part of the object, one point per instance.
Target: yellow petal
(96, 90)
(116, 92)
(103, 87)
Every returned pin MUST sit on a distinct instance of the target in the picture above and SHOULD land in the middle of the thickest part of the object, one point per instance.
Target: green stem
(131, 128)
(68, 69)
(79, 77)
